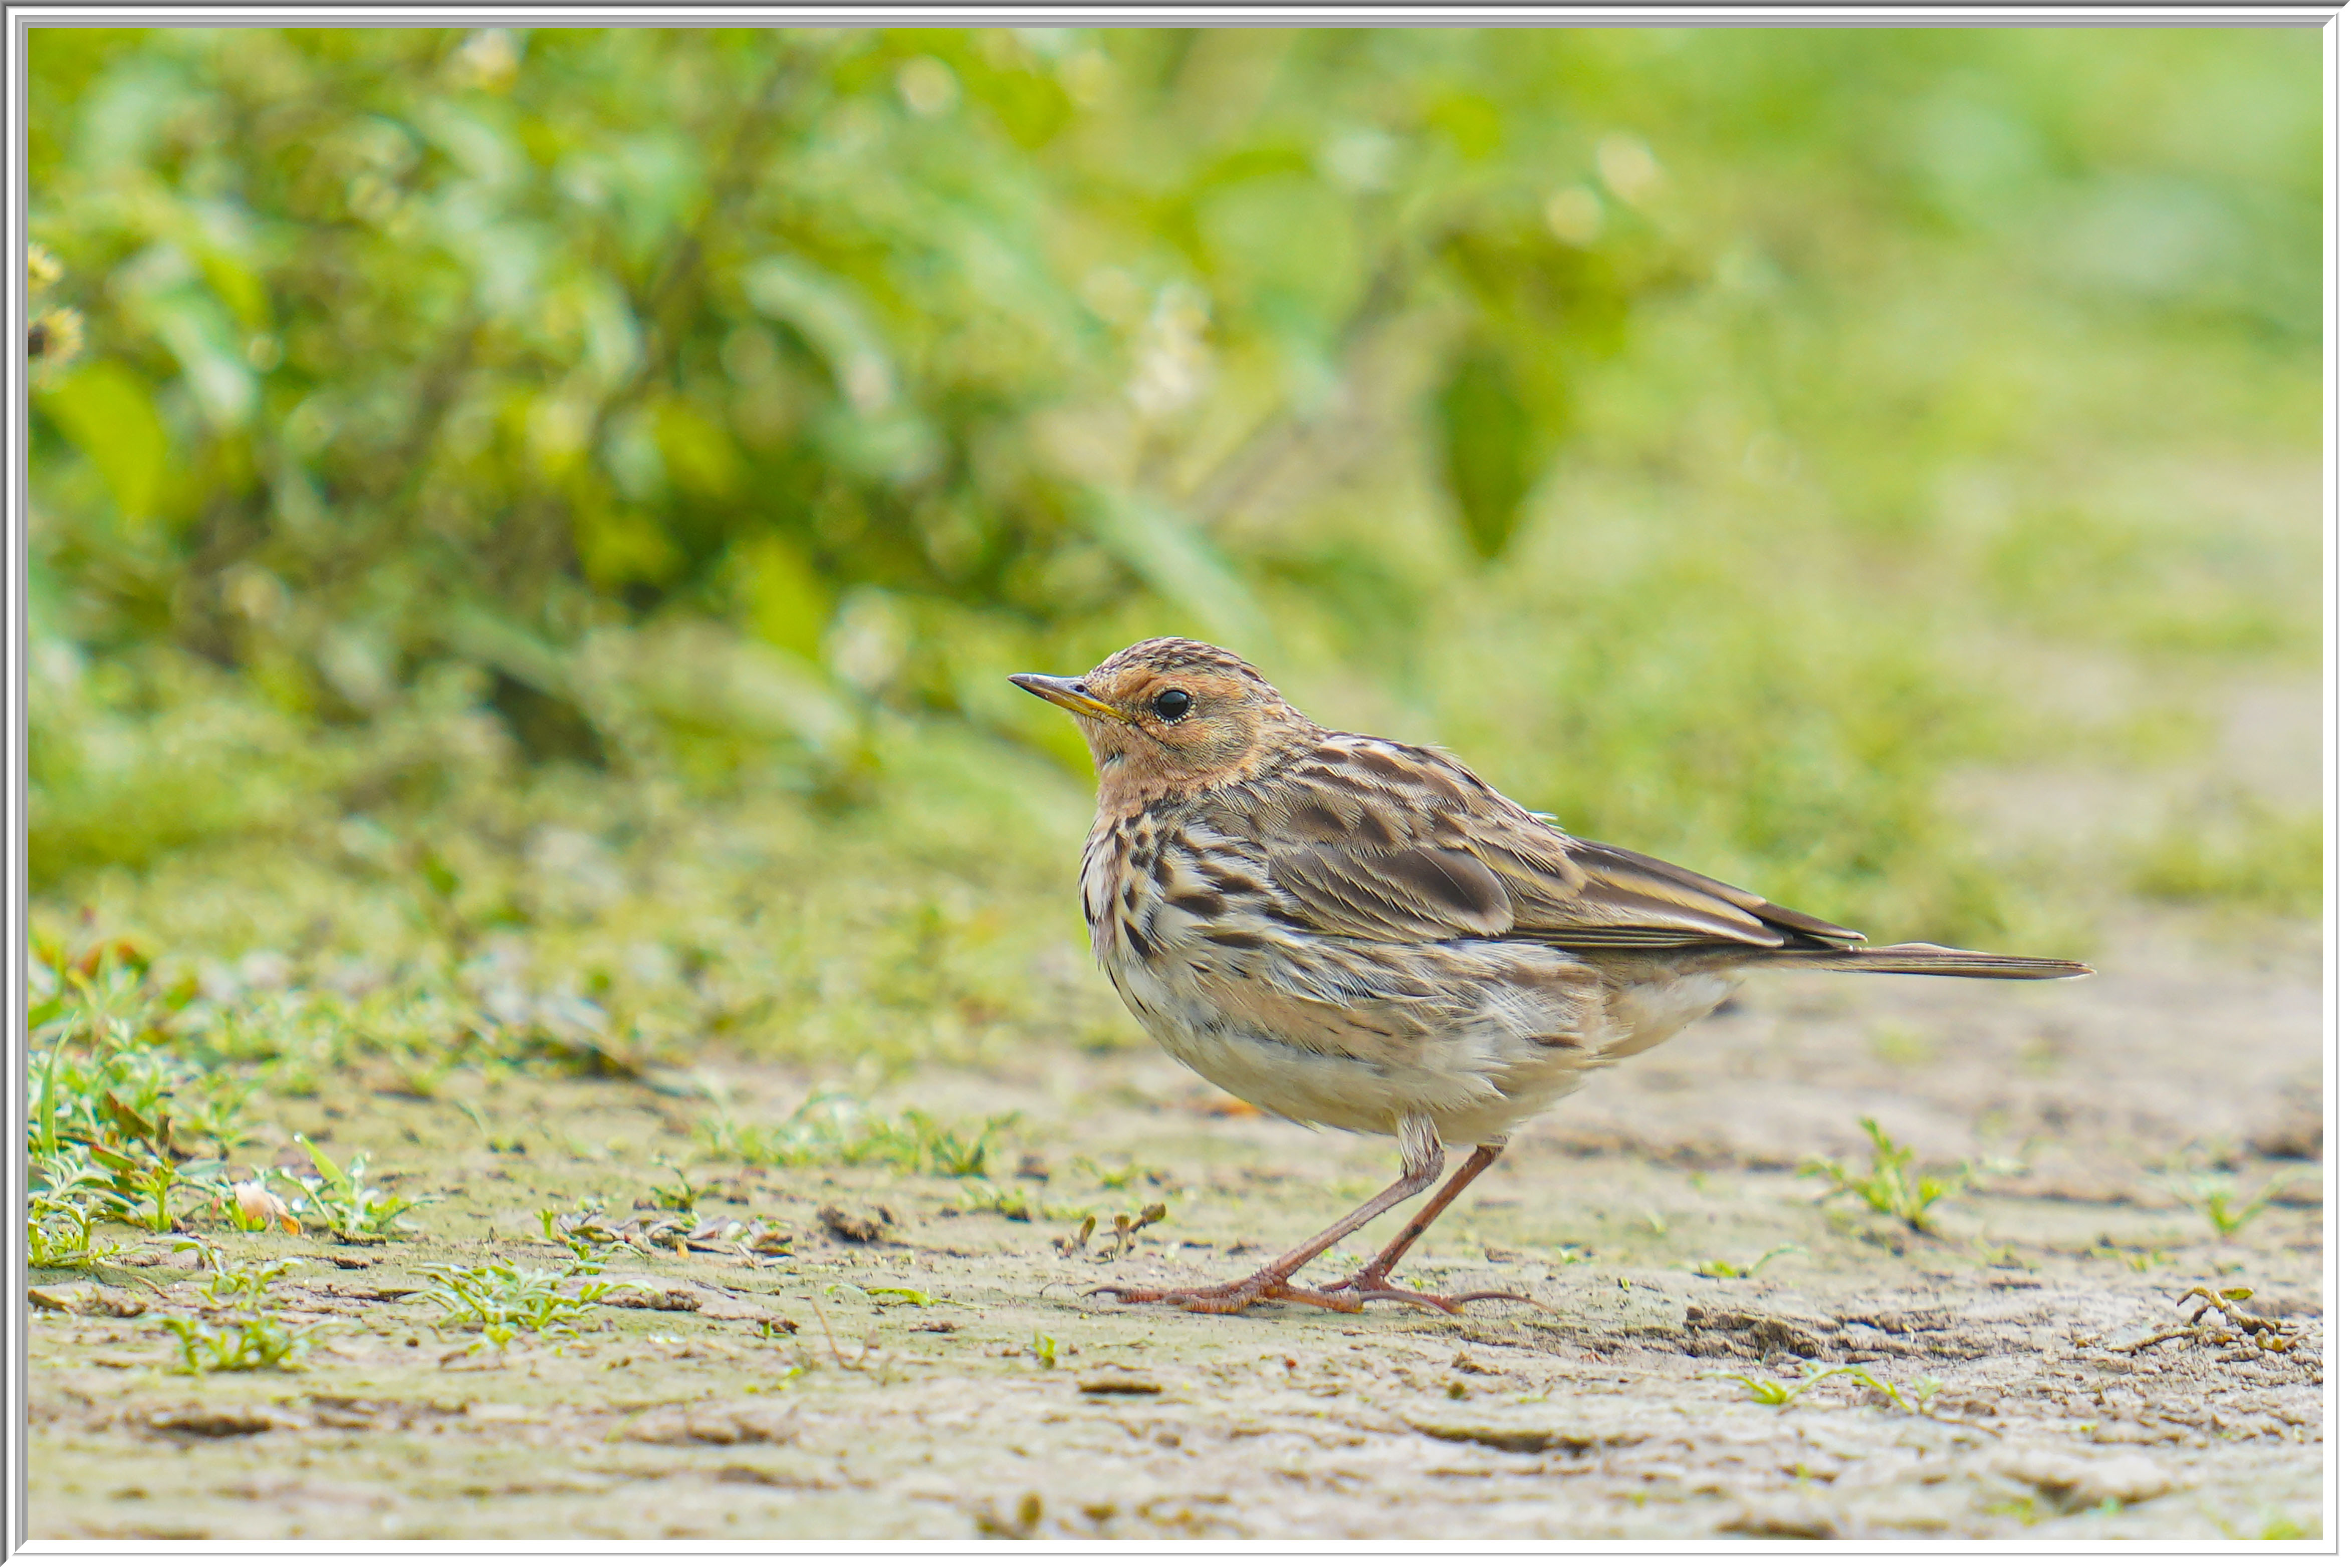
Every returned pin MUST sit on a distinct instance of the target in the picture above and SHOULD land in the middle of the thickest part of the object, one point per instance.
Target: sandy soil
(984, 1393)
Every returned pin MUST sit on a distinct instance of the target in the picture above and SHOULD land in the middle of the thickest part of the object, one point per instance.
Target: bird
(1360, 934)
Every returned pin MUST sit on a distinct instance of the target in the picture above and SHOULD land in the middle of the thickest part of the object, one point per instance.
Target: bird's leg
(1424, 1159)
(1370, 1282)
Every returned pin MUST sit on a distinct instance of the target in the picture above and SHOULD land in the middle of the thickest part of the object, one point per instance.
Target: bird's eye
(1172, 705)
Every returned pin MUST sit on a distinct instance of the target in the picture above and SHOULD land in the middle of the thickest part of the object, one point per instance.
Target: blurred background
(535, 523)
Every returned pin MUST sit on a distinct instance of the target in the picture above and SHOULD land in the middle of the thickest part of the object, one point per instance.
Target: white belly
(1653, 1013)
(1476, 1080)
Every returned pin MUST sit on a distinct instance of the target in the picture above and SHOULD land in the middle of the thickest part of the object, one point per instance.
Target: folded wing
(1389, 842)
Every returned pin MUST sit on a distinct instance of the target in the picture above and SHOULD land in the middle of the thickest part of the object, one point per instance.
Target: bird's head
(1172, 713)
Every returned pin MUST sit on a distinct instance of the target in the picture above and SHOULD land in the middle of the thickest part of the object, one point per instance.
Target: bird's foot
(1346, 1295)
(1233, 1297)
(1365, 1285)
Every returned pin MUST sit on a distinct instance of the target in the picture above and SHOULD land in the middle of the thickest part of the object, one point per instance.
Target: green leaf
(1491, 451)
(106, 411)
(326, 1167)
(437, 874)
(129, 1121)
(782, 599)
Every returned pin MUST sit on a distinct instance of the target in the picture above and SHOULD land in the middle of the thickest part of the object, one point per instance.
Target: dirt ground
(983, 1392)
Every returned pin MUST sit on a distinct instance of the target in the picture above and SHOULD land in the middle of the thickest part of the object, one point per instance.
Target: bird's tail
(1926, 958)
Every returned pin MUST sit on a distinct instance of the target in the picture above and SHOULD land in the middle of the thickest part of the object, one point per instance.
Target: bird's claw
(1233, 1297)
(1342, 1296)
(1377, 1287)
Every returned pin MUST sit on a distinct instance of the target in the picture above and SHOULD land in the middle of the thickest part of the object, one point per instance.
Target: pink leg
(1371, 1281)
(1424, 1157)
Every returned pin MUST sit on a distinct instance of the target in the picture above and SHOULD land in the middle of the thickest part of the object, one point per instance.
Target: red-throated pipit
(1354, 933)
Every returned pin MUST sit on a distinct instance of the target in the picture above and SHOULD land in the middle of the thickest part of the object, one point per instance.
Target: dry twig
(2267, 1333)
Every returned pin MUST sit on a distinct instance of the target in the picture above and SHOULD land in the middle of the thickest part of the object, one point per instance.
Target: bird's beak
(1062, 692)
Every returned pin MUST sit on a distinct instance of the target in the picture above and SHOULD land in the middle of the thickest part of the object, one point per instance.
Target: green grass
(240, 1328)
(502, 1299)
(1918, 1399)
(1888, 1186)
(59, 1233)
(840, 1130)
(2224, 1207)
(2236, 851)
(1723, 1268)
(338, 1196)
(248, 1342)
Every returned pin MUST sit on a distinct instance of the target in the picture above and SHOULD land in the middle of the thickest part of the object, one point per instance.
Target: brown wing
(1391, 842)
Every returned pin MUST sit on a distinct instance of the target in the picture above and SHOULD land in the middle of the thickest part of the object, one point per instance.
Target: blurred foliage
(2236, 849)
(1693, 429)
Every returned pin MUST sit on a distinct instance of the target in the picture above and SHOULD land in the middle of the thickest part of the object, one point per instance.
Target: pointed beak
(1063, 692)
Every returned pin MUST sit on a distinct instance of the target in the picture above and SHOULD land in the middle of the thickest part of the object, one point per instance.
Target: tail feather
(1926, 958)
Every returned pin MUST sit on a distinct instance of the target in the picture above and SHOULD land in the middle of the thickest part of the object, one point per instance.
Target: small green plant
(68, 1195)
(241, 1329)
(1771, 1391)
(904, 1296)
(1889, 1187)
(1046, 1353)
(2217, 1196)
(1765, 1390)
(339, 1195)
(116, 1072)
(982, 1196)
(839, 1129)
(57, 1235)
(589, 1240)
(259, 1341)
(679, 1195)
(1723, 1268)
(503, 1300)
(150, 1184)
(1918, 1401)
(230, 1286)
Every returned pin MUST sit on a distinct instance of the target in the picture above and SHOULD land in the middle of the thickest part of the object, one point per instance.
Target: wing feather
(1390, 842)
